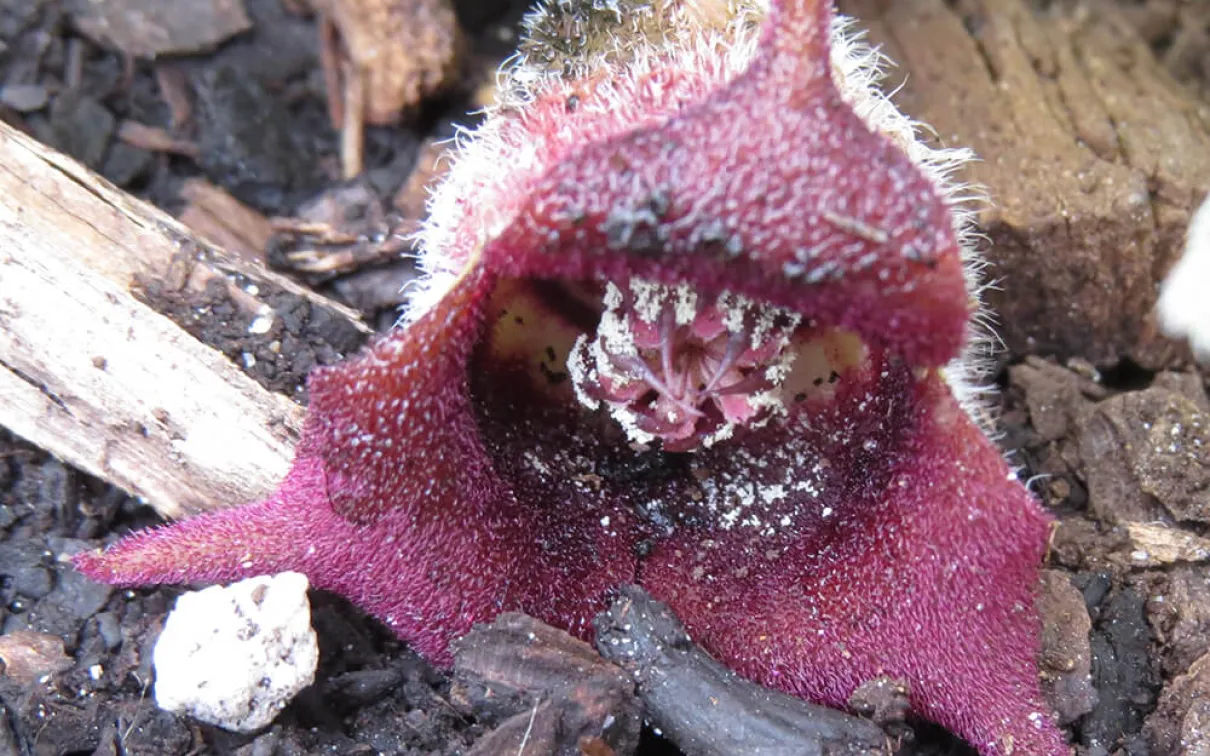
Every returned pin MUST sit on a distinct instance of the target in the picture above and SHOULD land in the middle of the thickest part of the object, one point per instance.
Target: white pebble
(1184, 308)
(235, 656)
(262, 323)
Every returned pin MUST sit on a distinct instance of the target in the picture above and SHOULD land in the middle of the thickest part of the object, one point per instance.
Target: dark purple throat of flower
(696, 338)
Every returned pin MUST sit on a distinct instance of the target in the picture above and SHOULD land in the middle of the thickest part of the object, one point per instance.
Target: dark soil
(261, 125)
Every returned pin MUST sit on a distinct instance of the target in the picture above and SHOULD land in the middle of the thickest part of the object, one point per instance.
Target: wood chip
(411, 200)
(352, 130)
(150, 28)
(555, 694)
(155, 139)
(224, 220)
(1153, 545)
(174, 88)
(405, 50)
(339, 231)
(101, 379)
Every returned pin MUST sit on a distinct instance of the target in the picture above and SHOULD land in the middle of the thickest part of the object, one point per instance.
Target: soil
(77, 654)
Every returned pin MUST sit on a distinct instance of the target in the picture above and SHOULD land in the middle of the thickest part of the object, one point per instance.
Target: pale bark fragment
(100, 379)
(1155, 545)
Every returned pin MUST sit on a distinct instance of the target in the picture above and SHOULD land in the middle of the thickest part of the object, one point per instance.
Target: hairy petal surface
(394, 503)
(770, 186)
(912, 553)
(447, 473)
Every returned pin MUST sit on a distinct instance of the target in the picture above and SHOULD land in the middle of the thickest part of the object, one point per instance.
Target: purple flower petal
(449, 472)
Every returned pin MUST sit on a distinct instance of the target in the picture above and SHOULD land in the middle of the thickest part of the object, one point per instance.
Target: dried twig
(551, 693)
(706, 709)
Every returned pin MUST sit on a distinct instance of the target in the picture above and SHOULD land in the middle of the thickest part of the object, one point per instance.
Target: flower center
(672, 368)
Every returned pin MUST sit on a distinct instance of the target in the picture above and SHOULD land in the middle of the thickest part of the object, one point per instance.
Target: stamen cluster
(672, 368)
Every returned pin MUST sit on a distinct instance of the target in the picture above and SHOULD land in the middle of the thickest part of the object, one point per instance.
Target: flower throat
(674, 367)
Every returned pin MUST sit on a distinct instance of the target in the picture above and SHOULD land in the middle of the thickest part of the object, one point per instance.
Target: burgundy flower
(693, 320)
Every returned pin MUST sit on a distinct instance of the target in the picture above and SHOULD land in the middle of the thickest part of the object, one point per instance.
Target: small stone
(1187, 383)
(1146, 458)
(1179, 612)
(1180, 725)
(235, 656)
(109, 629)
(1055, 396)
(81, 127)
(1066, 650)
(28, 656)
(245, 135)
(125, 163)
(24, 98)
(78, 597)
(22, 562)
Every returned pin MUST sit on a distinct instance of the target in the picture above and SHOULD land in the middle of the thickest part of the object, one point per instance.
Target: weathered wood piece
(1093, 156)
(99, 378)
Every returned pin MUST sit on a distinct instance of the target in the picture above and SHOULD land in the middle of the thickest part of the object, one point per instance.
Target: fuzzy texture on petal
(447, 474)
(394, 503)
(877, 531)
(765, 182)
(916, 560)
(820, 216)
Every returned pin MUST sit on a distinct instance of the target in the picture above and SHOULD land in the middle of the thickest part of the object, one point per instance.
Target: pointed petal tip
(135, 559)
(801, 29)
(94, 565)
(255, 539)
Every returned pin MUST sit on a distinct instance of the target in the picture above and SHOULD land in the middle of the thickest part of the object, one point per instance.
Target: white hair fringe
(503, 153)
